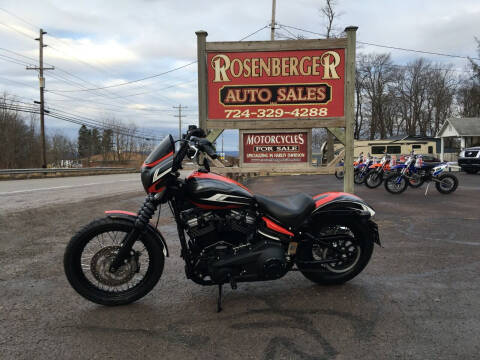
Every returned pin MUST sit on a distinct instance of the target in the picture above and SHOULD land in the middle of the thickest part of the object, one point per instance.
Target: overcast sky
(103, 43)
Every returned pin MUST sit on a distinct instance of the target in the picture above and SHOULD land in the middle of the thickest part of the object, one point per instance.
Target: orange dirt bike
(378, 172)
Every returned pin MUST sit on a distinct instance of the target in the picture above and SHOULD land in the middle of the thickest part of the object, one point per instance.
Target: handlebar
(193, 140)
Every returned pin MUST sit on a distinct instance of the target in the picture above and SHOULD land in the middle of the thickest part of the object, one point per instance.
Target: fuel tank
(213, 191)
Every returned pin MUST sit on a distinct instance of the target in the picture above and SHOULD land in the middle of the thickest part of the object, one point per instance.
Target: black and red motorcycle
(227, 234)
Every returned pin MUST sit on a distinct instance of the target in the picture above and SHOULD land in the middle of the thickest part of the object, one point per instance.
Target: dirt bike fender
(130, 216)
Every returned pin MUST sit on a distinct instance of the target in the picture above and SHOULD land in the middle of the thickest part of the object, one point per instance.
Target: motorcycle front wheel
(358, 177)
(350, 238)
(395, 184)
(92, 250)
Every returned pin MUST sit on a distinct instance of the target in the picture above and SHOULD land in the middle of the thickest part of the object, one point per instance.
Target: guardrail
(62, 170)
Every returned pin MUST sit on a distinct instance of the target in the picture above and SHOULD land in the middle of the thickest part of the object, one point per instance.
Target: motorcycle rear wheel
(90, 253)
(448, 184)
(339, 174)
(336, 273)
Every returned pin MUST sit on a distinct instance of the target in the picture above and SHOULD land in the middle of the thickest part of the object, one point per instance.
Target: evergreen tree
(96, 142)
(84, 142)
(107, 141)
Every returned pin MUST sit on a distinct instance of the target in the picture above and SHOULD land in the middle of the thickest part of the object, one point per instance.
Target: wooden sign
(285, 84)
(276, 84)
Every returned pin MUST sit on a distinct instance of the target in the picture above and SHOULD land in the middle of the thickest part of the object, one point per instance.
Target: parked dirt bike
(361, 170)
(226, 233)
(378, 172)
(416, 172)
(339, 172)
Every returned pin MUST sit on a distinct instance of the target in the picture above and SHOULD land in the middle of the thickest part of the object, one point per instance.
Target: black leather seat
(289, 210)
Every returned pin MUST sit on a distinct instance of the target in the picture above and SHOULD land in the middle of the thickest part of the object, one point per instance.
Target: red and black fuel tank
(213, 191)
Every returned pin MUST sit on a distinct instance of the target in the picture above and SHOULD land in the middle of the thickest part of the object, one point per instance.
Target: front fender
(130, 216)
(399, 166)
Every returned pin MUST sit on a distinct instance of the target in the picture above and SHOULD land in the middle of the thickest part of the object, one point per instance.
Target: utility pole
(272, 24)
(179, 107)
(41, 79)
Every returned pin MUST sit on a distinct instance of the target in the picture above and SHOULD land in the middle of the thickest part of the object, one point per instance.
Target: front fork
(144, 215)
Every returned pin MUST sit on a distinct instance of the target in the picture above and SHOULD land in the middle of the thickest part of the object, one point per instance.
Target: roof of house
(461, 126)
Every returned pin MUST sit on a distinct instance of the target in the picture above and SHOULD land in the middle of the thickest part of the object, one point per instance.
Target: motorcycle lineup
(227, 234)
(413, 172)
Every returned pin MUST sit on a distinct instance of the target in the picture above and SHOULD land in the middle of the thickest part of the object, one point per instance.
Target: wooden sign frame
(341, 127)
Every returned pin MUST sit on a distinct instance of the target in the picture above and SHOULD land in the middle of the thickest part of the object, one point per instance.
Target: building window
(416, 146)
(394, 149)
(430, 149)
(378, 149)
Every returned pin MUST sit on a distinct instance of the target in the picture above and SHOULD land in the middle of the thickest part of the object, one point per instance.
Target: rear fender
(340, 203)
(131, 217)
(333, 204)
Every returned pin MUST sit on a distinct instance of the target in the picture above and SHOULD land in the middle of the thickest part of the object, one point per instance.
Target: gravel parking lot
(419, 298)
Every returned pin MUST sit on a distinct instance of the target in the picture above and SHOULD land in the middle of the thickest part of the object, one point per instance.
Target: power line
(59, 116)
(418, 51)
(391, 47)
(246, 37)
(17, 31)
(133, 81)
(19, 18)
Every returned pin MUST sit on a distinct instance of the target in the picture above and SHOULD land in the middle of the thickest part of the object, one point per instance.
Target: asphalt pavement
(419, 298)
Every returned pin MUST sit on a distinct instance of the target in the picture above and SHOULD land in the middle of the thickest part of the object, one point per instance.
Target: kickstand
(426, 190)
(219, 302)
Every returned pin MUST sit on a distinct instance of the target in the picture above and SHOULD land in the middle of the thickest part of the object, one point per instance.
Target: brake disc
(100, 267)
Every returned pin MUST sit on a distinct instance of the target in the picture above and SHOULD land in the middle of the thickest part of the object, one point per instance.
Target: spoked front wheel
(350, 249)
(358, 177)
(90, 253)
(395, 184)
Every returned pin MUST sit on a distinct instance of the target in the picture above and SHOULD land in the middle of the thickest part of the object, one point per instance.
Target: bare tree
(378, 76)
(330, 14)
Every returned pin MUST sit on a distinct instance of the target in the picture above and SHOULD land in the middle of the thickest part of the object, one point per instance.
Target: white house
(467, 129)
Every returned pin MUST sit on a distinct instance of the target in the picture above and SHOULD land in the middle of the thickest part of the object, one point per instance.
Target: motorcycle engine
(225, 246)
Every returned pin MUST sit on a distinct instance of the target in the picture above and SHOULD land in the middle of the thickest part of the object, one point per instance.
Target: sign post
(276, 88)
(349, 109)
